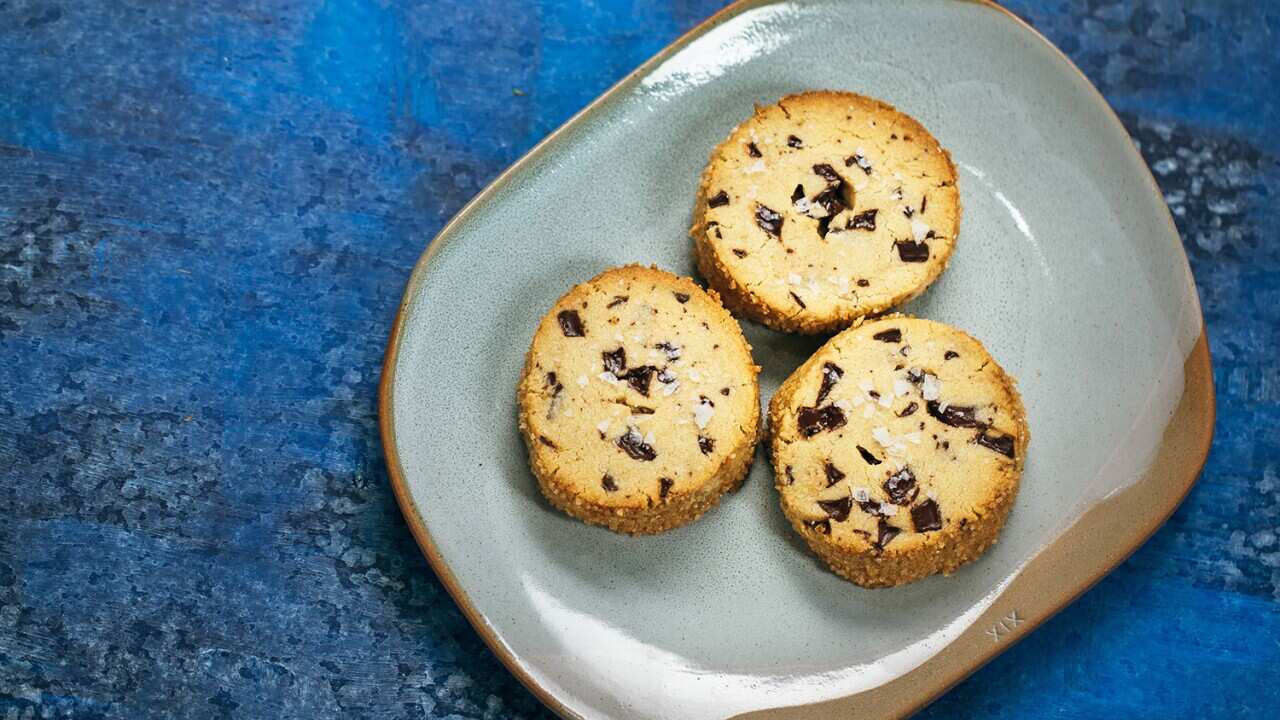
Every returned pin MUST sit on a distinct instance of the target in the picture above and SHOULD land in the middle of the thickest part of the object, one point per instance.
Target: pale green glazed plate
(1068, 268)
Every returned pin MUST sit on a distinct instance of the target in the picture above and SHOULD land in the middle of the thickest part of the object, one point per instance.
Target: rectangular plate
(1068, 268)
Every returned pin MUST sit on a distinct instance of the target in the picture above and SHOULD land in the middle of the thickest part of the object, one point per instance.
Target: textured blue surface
(207, 215)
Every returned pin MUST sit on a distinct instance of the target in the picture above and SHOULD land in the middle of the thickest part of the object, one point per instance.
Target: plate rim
(1194, 417)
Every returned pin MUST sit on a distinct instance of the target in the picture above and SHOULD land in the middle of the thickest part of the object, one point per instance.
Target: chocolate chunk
(797, 194)
(720, 198)
(862, 221)
(910, 408)
(831, 374)
(915, 375)
(822, 527)
(706, 444)
(681, 298)
(718, 235)
(860, 161)
(635, 446)
(752, 150)
(863, 282)
(868, 457)
(615, 361)
(791, 479)
(725, 391)
(1002, 444)
(664, 486)
(607, 482)
(769, 221)
(639, 378)
(924, 202)
(830, 200)
(547, 441)
(950, 355)
(901, 487)
(639, 409)
(571, 323)
(874, 393)
(912, 251)
(954, 415)
(892, 335)
(824, 226)
(828, 173)
(793, 141)
(666, 377)
(833, 474)
(927, 516)
(740, 253)
(908, 211)
(870, 507)
(885, 533)
(554, 384)
(837, 510)
(617, 300)
(671, 351)
(814, 420)
(798, 300)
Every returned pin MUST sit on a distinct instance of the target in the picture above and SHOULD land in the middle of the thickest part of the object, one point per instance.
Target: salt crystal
(861, 494)
(755, 167)
(843, 405)
(930, 387)
(901, 387)
(582, 381)
(608, 377)
(919, 229)
(603, 426)
(886, 400)
(702, 413)
(882, 436)
(866, 385)
(868, 411)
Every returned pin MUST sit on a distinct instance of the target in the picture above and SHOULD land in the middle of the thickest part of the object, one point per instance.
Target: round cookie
(824, 208)
(639, 401)
(897, 450)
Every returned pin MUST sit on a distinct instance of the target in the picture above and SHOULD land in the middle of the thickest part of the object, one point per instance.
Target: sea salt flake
(882, 435)
(861, 494)
(608, 377)
(603, 426)
(582, 381)
(756, 167)
(702, 413)
(843, 405)
(901, 387)
(886, 400)
(930, 388)
(868, 411)
(919, 229)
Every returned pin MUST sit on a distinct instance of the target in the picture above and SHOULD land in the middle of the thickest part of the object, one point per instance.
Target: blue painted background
(207, 215)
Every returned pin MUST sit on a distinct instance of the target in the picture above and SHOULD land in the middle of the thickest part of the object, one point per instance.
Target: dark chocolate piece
(793, 141)
(635, 446)
(1002, 444)
(833, 474)
(616, 301)
(868, 457)
(831, 374)
(607, 482)
(664, 486)
(860, 161)
(927, 516)
(615, 361)
(950, 355)
(912, 251)
(740, 253)
(571, 323)
(824, 226)
(547, 441)
(752, 150)
(826, 172)
(954, 415)
(797, 194)
(666, 377)
(814, 420)
(798, 300)
(862, 282)
(924, 202)
(639, 378)
(720, 198)
(769, 221)
(791, 479)
(910, 408)
(681, 298)
(862, 221)
(671, 351)
(908, 211)
(901, 487)
(837, 510)
(830, 200)
(725, 391)
(706, 444)
(885, 533)
(892, 335)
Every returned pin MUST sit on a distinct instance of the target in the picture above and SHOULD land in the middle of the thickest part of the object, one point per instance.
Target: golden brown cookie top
(896, 430)
(638, 385)
(823, 208)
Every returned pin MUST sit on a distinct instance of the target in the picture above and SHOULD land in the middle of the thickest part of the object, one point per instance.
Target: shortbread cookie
(639, 401)
(822, 209)
(898, 449)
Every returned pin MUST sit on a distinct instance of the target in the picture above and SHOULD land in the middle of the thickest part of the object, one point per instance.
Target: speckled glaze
(1068, 269)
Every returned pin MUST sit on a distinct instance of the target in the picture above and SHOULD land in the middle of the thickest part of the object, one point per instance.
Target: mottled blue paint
(207, 214)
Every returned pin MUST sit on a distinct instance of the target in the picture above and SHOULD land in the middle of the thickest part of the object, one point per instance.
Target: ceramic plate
(1068, 267)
